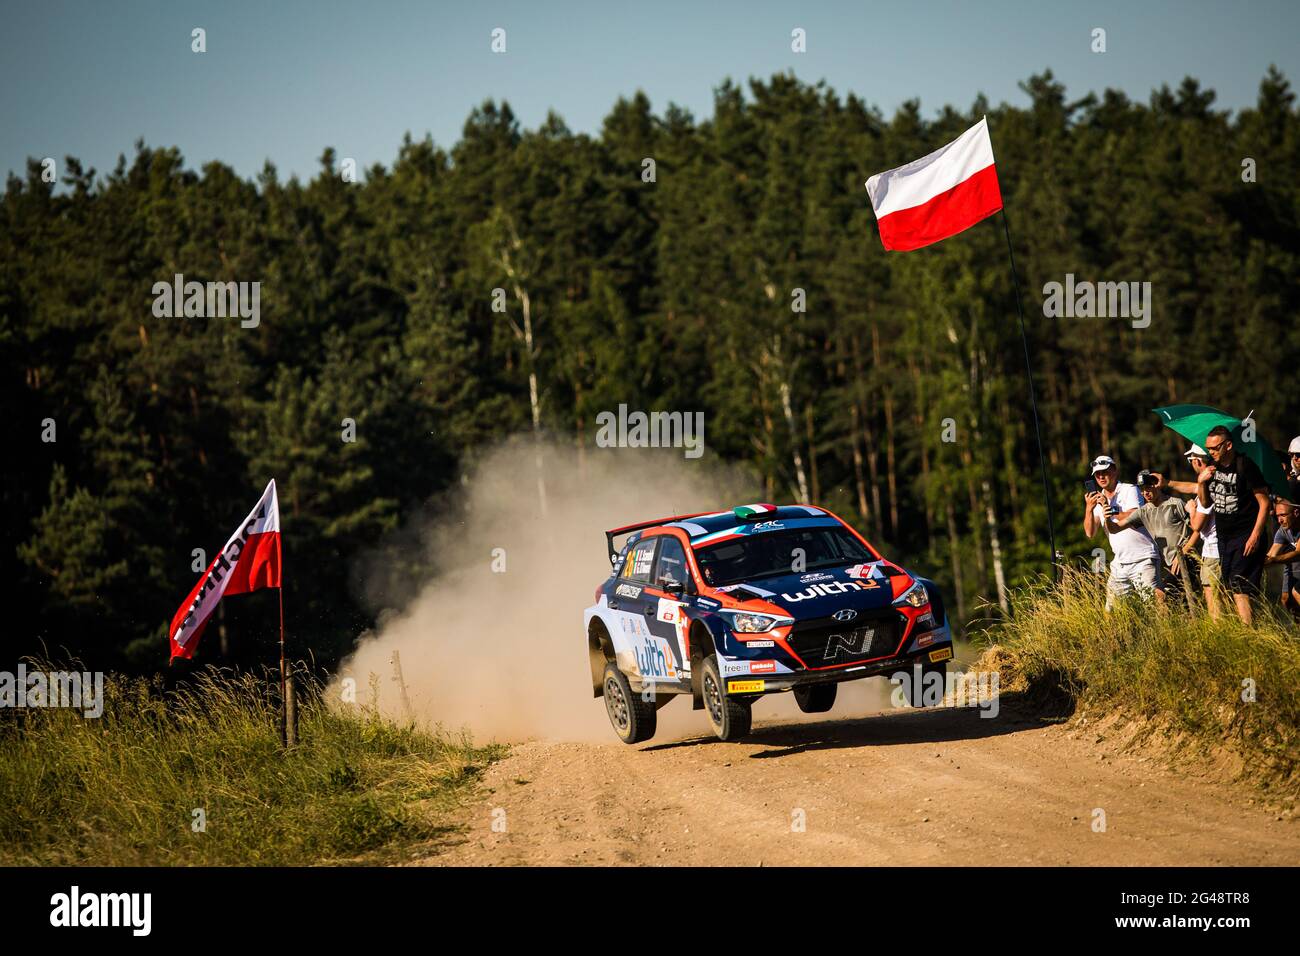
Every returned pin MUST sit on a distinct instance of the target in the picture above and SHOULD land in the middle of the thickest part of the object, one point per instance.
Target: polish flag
(250, 561)
(938, 195)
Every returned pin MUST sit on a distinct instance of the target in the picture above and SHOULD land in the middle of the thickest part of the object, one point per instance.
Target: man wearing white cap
(1293, 472)
(1133, 568)
(1203, 529)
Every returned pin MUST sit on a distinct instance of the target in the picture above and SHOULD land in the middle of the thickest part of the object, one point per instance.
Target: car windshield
(773, 553)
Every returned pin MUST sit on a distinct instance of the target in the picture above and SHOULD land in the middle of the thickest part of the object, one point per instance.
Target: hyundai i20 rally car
(729, 606)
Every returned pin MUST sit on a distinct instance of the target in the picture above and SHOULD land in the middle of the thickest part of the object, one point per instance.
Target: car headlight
(915, 596)
(749, 622)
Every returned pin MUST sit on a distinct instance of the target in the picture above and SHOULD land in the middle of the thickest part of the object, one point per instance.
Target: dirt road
(894, 788)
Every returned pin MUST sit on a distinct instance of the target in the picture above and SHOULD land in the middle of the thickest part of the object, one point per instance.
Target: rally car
(731, 605)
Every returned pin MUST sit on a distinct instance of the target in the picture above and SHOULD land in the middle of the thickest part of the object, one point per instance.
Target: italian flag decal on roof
(749, 511)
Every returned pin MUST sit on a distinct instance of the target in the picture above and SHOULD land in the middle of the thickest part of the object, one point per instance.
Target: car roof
(703, 529)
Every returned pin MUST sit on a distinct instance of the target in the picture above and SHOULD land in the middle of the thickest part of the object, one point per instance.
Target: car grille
(824, 642)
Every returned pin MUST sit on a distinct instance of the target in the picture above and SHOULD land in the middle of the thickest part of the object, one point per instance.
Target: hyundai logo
(847, 614)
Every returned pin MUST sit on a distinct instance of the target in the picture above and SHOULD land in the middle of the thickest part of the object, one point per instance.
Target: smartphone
(1090, 485)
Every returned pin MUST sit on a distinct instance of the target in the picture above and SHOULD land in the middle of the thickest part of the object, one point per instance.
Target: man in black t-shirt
(1236, 490)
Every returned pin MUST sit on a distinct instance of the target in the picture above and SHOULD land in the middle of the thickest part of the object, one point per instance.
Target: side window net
(672, 564)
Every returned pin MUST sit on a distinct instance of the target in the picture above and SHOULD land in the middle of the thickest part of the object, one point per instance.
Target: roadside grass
(1182, 672)
(123, 789)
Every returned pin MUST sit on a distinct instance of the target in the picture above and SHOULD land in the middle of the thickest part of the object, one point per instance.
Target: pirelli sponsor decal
(942, 654)
(745, 686)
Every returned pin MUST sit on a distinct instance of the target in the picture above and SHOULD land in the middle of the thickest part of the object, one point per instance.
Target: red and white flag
(938, 195)
(249, 561)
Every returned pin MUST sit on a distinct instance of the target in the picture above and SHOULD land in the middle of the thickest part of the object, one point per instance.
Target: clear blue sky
(282, 80)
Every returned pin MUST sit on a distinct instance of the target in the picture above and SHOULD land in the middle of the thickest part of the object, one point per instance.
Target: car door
(668, 619)
(634, 604)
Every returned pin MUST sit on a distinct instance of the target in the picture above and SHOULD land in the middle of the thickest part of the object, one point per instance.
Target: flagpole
(1033, 399)
(284, 713)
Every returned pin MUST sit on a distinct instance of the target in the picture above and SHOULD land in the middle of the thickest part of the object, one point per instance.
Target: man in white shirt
(1133, 568)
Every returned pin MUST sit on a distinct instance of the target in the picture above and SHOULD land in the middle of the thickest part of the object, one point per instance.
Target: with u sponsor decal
(832, 587)
(654, 660)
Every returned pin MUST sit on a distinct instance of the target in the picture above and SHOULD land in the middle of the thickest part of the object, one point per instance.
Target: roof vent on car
(753, 512)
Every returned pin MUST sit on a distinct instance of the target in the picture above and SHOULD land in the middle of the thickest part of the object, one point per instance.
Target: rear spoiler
(628, 529)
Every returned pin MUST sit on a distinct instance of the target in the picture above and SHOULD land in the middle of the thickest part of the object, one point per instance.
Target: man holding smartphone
(1133, 567)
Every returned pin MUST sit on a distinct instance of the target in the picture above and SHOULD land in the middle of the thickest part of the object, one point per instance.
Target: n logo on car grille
(852, 643)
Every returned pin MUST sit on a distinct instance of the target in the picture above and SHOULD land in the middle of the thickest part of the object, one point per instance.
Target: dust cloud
(492, 643)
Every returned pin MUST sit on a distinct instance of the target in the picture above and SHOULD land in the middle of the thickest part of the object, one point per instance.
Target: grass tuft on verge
(1220, 682)
(123, 789)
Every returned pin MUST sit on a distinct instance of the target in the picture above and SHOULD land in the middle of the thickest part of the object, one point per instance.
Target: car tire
(815, 698)
(916, 692)
(632, 718)
(730, 717)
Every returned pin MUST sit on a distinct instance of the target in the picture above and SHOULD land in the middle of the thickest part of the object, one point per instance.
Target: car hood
(821, 593)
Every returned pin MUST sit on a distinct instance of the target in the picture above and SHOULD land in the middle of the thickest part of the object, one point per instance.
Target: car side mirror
(674, 587)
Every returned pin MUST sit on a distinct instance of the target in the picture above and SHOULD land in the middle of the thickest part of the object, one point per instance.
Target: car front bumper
(756, 684)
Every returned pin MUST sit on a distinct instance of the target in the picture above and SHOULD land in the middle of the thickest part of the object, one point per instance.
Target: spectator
(1286, 552)
(1133, 567)
(1293, 471)
(1203, 529)
(1165, 520)
(1238, 493)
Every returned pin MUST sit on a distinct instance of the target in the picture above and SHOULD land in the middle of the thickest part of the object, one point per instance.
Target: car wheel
(916, 691)
(730, 717)
(632, 718)
(815, 699)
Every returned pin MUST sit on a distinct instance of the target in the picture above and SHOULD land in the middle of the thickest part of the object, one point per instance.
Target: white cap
(1294, 447)
(1101, 463)
(1196, 451)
